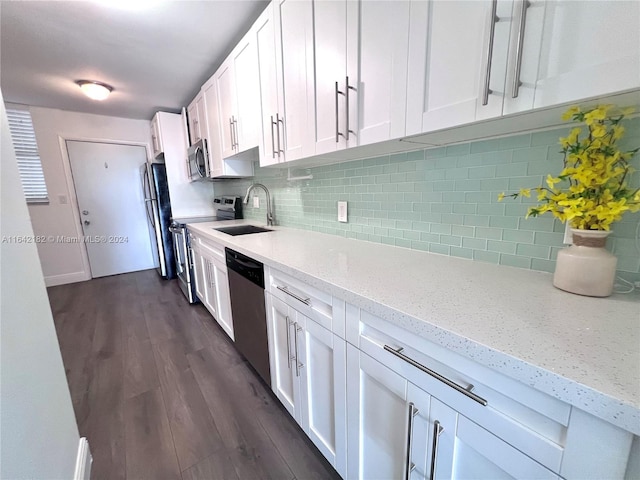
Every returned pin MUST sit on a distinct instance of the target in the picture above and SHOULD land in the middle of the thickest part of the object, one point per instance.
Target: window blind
(29, 164)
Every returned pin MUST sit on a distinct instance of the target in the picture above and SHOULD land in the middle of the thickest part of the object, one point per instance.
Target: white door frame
(71, 187)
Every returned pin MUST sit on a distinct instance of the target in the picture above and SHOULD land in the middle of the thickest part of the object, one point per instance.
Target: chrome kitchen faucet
(270, 218)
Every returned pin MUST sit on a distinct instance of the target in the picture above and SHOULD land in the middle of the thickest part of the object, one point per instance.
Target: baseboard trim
(53, 280)
(83, 461)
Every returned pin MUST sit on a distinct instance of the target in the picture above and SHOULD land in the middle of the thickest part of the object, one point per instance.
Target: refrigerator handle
(147, 201)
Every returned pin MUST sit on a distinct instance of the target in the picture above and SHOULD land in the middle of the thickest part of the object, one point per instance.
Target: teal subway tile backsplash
(444, 200)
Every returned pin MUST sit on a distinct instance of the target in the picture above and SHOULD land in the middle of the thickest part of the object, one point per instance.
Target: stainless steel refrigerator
(158, 207)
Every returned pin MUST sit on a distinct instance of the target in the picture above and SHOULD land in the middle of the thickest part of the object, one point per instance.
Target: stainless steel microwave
(198, 161)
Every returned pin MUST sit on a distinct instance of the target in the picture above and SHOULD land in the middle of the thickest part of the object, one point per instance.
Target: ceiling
(156, 58)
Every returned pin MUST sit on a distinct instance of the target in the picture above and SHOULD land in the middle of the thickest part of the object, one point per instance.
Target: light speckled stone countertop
(582, 350)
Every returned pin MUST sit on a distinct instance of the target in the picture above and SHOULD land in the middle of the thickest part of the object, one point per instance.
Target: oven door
(198, 159)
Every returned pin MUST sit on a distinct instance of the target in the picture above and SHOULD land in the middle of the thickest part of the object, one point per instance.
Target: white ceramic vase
(586, 267)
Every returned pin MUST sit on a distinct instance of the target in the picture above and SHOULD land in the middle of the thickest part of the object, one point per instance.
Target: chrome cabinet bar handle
(437, 430)
(348, 87)
(280, 121)
(289, 356)
(235, 125)
(273, 143)
(523, 23)
(306, 301)
(409, 465)
(465, 391)
(337, 128)
(235, 133)
(487, 74)
(299, 364)
(338, 134)
(233, 143)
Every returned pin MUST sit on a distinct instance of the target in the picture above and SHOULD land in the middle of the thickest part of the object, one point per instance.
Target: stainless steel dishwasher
(246, 285)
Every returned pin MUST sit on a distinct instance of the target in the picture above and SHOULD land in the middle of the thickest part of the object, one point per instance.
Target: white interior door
(111, 204)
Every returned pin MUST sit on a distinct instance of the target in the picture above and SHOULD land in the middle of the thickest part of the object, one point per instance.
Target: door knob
(87, 222)
(85, 212)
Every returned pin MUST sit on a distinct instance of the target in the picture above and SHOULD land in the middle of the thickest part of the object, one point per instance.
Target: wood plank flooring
(161, 393)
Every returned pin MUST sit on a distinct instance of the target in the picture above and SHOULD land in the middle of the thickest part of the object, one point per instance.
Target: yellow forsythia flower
(552, 181)
(594, 190)
(570, 113)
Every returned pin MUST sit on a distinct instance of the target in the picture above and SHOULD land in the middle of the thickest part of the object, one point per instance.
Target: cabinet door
(226, 105)
(199, 273)
(330, 46)
(588, 49)
(267, 65)
(209, 299)
(284, 382)
(156, 139)
(294, 42)
(247, 90)
(449, 62)
(321, 357)
(465, 450)
(211, 113)
(380, 69)
(376, 418)
(194, 119)
(223, 299)
(201, 127)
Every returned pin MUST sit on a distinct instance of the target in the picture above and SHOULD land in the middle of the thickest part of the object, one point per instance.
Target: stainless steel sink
(242, 230)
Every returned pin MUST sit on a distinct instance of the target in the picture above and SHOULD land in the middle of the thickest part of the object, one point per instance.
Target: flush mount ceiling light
(95, 90)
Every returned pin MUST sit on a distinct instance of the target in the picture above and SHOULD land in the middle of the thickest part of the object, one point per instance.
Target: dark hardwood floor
(161, 393)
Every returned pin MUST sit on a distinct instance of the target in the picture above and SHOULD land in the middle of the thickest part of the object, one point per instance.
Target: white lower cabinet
(205, 284)
(308, 376)
(397, 430)
(212, 282)
(462, 449)
(417, 410)
(377, 418)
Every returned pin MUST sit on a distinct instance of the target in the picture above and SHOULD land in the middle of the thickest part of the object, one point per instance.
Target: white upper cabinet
(476, 60)
(197, 119)
(218, 165)
(238, 99)
(227, 107)
(294, 43)
(361, 52)
(330, 73)
(270, 149)
(247, 120)
(457, 62)
(566, 51)
(377, 54)
(284, 37)
(156, 136)
(214, 145)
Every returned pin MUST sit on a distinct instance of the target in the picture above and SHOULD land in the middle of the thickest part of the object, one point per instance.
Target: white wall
(67, 262)
(38, 433)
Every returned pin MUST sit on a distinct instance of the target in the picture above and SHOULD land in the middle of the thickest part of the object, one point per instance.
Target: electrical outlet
(568, 236)
(256, 201)
(342, 211)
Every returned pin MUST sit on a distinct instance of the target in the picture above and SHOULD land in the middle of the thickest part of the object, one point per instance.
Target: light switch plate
(342, 211)
(256, 201)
